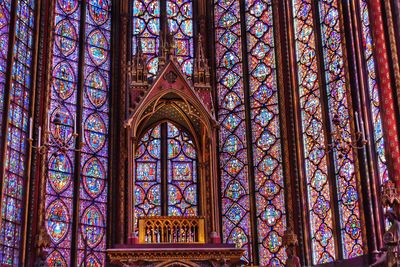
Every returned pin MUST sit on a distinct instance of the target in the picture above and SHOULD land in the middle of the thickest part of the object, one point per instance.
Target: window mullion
(163, 19)
(164, 171)
(80, 138)
(251, 178)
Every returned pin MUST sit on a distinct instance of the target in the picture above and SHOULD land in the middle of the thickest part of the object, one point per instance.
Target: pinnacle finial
(201, 73)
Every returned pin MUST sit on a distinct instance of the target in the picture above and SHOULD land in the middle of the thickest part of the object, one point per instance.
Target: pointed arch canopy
(171, 98)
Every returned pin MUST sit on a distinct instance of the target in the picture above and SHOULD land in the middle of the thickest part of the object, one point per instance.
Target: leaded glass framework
(148, 174)
(78, 126)
(17, 122)
(5, 17)
(252, 102)
(235, 210)
(268, 217)
(166, 173)
(180, 24)
(316, 164)
(148, 25)
(373, 93)
(340, 162)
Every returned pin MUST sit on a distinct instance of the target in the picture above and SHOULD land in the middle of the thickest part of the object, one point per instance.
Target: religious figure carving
(390, 256)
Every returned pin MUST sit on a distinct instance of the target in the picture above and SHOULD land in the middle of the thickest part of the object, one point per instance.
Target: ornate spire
(138, 70)
(290, 241)
(201, 75)
(389, 194)
(137, 76)
(162, 59)
(167, 48)
(170, 45)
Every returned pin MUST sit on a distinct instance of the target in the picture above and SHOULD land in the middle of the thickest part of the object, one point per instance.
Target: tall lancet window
(373, 93)
(334, 212)
(148, 25)
(252, 184)
(16, 83)
(166, 173)
(180, 24)
(78, 126)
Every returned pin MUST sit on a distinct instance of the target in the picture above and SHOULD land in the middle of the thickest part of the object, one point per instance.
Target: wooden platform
(163, 255)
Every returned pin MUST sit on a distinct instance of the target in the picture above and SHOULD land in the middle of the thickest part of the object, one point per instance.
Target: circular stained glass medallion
(98, 10)
(68, 6)
(4, 16)
(92, 226)
(93, 177)
(57, 221)
(91, 261)
(96, 87)
(64, 80)
(62, 132)
(60, 172)
(98, 47)
(56, 259)
(66, 37)
(174, 148)
(95, 134)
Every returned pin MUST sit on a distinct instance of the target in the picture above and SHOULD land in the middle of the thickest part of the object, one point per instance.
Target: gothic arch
(177, 264)
(171, 98)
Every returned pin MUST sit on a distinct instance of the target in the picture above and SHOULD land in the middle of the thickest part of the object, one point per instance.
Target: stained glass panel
(180, 23)
(232, 135)
(313, 135)
(266, 140)
(182, 173)
(63, 100)
(17, 122)
(146, 27)
(95, 121)
(338, 102)
(5, 17)
(148, 174)
(373, 93)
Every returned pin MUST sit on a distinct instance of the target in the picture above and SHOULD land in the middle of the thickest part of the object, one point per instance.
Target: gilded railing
(164, 229)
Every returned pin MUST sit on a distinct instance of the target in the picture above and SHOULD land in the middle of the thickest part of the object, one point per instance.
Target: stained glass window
(265, 128)
(321, 209)
(166, 155)
(146, 27)
(182, 173)
(61, 162)
(148, 174)
(338, 103)
(235, 204)
(17, 124)
(373, 93)
(64, 118)
(148, 23)
(316, 165)
(180, 23)
(5, 17)
(95, 119)
(270, 211)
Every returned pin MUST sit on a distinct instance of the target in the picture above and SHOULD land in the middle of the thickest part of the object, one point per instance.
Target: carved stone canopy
(170, 97)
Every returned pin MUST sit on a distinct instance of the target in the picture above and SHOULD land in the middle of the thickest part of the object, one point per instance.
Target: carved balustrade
(164, 229)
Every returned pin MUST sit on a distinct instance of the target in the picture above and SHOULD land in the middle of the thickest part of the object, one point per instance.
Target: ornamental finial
(290, 238)
(290, 241)
(389, 194)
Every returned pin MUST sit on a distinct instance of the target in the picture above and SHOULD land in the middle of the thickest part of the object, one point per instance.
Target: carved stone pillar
(120, 194)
